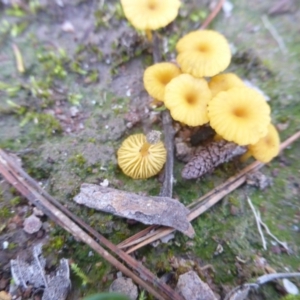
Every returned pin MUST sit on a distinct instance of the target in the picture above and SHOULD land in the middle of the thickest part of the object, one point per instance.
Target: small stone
(227, 8)
(67, 27)
(191, 287)
(258, 179)
(234, 211)
(32, 224)
(167, 238)
(105, 183)
(290, 287)
(37, 212)
(124, 286)
(74, 111)
(5, 245)
(183, 152)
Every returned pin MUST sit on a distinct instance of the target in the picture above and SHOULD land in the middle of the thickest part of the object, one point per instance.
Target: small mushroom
(239, 115)
(186, 97)
(142, 156)
(267, 147)
(203, 53)
(224, 82)
(157, 76)
(150, 14)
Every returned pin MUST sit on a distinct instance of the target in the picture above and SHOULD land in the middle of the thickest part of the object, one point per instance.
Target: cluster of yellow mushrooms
(196, 94)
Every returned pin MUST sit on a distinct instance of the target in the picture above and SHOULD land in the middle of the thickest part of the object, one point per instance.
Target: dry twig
(213, 14)
(169, 133)
(274, 34)
(283, 244)
(258, 220)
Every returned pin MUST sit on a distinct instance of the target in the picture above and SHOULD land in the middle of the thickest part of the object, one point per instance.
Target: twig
(260, 281)
(212, 15)
(202, 204)
(157, 57)
(274, 34)
(269, 277)
(63, 217)
(258, 222)
(283, 244)
(169, 133)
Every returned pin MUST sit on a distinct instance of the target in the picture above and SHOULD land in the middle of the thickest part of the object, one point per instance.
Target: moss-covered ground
(68, 112)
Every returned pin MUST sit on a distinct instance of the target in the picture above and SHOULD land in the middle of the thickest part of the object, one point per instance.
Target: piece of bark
(148, 210)
(210, 157)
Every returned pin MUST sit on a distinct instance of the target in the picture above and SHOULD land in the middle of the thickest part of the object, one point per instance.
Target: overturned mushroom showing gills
(210, 157)
(142, 156)
(148, 210)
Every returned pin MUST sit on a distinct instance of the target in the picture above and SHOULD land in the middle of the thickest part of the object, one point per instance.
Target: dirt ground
(82, 93)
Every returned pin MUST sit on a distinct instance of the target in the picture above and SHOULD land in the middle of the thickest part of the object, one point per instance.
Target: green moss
(77, 160)
(12, 246)
(5, 212)
(15, 201)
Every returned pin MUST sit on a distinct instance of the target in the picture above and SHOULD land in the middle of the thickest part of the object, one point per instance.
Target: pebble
(32, 224)
(191, 287)
(125, 286)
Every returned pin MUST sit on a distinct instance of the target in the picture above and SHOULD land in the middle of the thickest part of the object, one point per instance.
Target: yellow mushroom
(157, 76)
(150, 14)
(267, 147)
(142, 156)
(239, 115)
(224, 82)
(203, 53)
(186, 97)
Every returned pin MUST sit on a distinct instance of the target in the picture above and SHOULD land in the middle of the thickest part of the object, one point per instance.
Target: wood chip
(148, 210)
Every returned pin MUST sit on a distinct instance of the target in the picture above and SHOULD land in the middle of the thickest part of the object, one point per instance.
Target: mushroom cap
(267, 147)
(137, 166)
(186, 97)
(239, 115)
(203, 53)
(150, 14)
(157, 76)
(224, 82)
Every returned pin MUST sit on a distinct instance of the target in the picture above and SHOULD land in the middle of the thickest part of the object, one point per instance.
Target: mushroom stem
(245, 156)
(153, 137)
(149, 34)
(144, 149)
